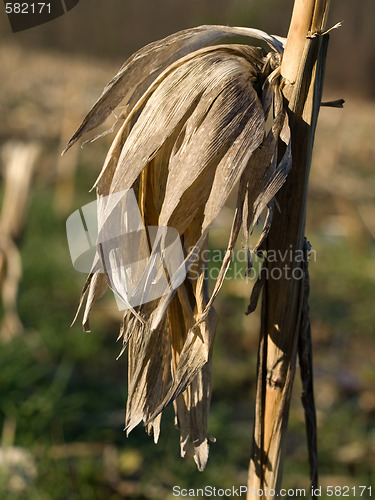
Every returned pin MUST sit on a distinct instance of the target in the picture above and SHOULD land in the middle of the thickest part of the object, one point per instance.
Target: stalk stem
(285, 321)
(309, 16)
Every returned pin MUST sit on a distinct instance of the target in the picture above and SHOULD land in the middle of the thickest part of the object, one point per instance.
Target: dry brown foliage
(197, 119)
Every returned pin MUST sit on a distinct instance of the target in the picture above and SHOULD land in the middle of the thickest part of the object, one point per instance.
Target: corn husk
(197, 120)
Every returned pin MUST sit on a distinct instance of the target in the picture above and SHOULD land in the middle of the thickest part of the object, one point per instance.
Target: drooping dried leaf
(194, 126)
(140, 70)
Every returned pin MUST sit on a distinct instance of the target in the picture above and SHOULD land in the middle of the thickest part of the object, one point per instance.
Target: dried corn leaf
(140, 70)
(194, 126)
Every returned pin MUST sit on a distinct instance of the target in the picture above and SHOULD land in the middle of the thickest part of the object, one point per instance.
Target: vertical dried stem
(309, 16)
(19, 165)
(320, 15)
(284, 295)
(300, 25)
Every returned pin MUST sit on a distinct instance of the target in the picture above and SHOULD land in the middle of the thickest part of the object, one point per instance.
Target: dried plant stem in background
(285, 324)
(19, 160)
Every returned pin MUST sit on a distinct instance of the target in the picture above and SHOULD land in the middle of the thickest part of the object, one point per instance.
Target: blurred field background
(62, 393)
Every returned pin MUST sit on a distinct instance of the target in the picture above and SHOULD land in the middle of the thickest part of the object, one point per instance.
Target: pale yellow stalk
(284, 307)
(308, 17)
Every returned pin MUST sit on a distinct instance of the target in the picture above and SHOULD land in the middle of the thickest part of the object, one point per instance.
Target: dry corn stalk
(285, 331)
(193, 126)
